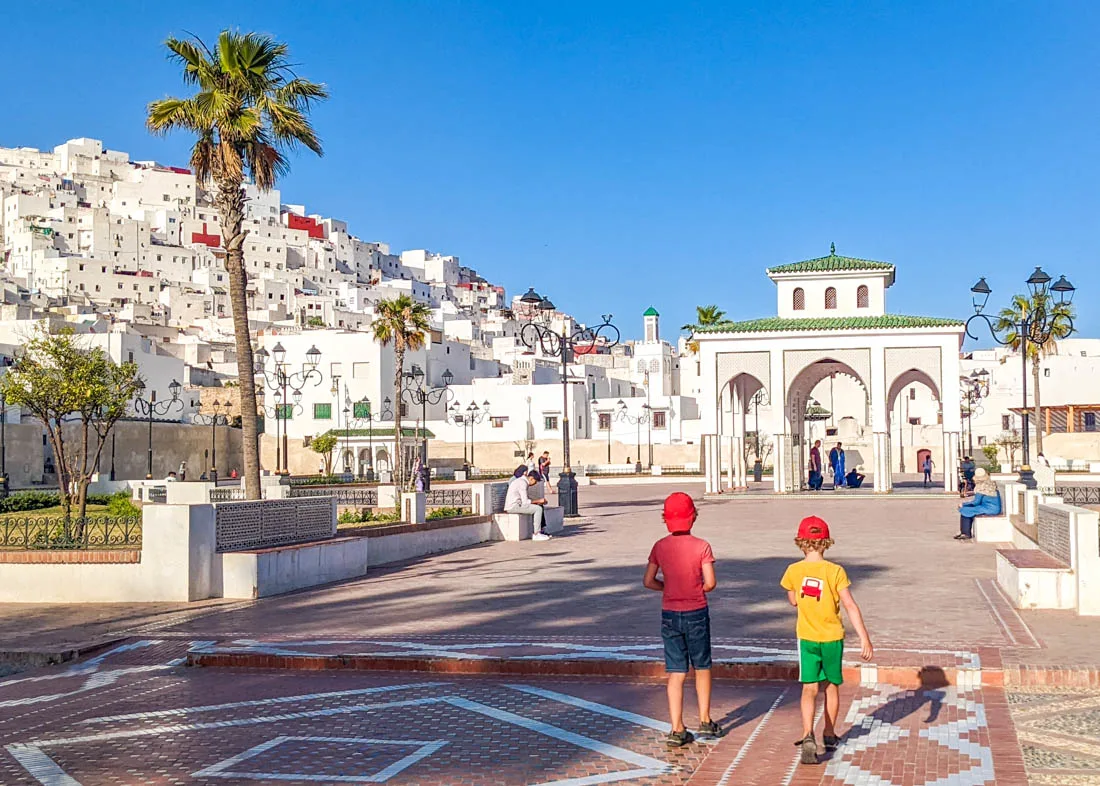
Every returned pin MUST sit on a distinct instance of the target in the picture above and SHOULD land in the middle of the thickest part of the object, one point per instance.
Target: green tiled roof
(831, 263)
(650, 312)
(780, 324)
(380, 432)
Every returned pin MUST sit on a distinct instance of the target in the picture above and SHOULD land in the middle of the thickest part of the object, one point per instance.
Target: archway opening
(914, 411)
(827, 402)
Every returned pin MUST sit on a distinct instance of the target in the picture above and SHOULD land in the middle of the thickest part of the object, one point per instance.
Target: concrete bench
(1034, 579)
(520, 526)
(993, 529)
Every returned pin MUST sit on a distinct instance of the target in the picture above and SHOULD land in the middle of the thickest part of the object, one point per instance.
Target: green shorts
(821, 661)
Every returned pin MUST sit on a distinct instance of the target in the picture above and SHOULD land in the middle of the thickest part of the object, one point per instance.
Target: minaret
(652, 325)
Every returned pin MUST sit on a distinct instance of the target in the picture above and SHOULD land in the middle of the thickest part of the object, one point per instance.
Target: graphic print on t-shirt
(811, 588)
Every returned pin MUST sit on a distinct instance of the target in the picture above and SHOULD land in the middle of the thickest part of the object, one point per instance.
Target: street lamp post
(413, 389)
(282, 381)
(369, 416)
(759, 399)
(1035, 326)
(153, 407)
(213, 419)
(976, 387)
(645, 416)
(538, 332)
(4, 445)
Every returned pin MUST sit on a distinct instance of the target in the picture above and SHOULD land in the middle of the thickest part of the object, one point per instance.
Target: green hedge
(119, 503)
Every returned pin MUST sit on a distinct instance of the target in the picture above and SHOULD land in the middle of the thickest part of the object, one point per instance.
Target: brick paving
(919, 714)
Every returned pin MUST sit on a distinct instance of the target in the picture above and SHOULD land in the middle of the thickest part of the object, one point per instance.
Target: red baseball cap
(813, 528)
(679, 512)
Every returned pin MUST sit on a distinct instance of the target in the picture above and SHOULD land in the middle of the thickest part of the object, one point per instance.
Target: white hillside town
(128, 254)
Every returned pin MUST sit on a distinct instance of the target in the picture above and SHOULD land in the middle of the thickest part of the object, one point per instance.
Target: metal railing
(1079, 495)
(450, 498)
(227, 494)
(361, 496)
(57, 532)
(491, 472)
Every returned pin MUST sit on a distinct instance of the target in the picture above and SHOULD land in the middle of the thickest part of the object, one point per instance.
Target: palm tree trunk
(230, 201)
(399, 458)
(1038, 409)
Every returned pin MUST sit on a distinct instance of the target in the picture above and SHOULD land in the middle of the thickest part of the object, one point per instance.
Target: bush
(120, 504)
(29, 500)
(447, 513)
(364, 515)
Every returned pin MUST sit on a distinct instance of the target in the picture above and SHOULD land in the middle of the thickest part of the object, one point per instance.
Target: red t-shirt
(681, 559)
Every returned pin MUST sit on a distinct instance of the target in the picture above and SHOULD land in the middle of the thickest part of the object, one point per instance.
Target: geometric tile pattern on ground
(1059, 732)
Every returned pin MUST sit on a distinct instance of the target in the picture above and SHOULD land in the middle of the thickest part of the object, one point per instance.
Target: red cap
(679, 512)
(813, 528)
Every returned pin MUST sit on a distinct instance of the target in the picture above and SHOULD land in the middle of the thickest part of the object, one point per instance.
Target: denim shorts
(686, 635)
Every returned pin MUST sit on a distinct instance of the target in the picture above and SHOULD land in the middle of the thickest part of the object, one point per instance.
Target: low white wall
(1036, 588)
(259, 574)
(177, 564)
(404, 546)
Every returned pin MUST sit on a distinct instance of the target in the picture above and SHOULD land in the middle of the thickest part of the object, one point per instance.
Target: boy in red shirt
(686, 564)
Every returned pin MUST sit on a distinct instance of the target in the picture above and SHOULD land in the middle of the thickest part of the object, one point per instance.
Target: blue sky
(617, 155)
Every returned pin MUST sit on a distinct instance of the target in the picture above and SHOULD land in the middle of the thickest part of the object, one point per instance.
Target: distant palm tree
(404, 323)
(1036, 309)
(704, 317)
(250, 109)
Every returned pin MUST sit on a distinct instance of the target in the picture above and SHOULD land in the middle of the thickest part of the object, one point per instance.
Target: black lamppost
(537, 332)
(153, 407)
(1034, 326)
(975, 388)
(4, 445)
(645, 416)
(413, 389)
(219, 409)
(280, 381)
(468, 417)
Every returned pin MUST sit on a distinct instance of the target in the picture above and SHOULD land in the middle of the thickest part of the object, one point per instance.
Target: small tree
(57, 379)
(1009, 442)
(325, 445)
(990, 452)
(766, 447)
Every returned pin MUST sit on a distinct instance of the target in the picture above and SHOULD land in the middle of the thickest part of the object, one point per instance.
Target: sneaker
(831, 742)
(540, 536)
(710, 729)
(809, 749)
(678, 739)
(964, 538)
(960, 536)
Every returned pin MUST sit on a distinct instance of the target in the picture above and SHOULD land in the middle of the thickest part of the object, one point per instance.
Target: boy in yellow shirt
(817, 588)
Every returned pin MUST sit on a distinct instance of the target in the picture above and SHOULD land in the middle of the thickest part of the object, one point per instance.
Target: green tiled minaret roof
(833, 262)
(781, 324)
(650, 312)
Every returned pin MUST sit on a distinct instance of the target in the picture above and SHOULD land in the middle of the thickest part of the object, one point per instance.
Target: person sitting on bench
(986, 502)
(518, 501)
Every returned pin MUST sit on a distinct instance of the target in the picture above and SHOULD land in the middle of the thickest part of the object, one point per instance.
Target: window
(1090, 421)
(550, 422)
(863, 296)
(799, 299)
(830, 298)
(1046, 372)
(981, 442)
(1006, 422)
(322, 411)
(404, 409)
(498, 422)
(360, 409)
(284, 412)
(604, 421)
(660, 420)
(912, 394)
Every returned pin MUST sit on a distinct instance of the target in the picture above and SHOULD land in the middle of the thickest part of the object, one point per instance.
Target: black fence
(57, 532)
(1079, 495)
(450, 498)
(360, 496)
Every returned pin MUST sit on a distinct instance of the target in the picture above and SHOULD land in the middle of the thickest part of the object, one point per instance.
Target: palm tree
(404, 323)
(1037, 309)
(249, 110)
(704, 316)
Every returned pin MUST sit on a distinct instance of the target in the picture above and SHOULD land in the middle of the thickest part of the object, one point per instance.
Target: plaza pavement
(577, 596)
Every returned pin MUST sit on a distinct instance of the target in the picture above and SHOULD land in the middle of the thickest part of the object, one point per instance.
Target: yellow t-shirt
(817, 587)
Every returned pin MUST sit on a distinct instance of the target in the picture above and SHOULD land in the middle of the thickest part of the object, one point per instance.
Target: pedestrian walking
(544, 469)
(836, 463)
(926, 467)
(818, 588)
(686, 565)
(183, 470)
(816, 478)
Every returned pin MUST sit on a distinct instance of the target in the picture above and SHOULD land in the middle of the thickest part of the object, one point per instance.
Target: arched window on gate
(863, 297)
(799, 299)
(830, 298)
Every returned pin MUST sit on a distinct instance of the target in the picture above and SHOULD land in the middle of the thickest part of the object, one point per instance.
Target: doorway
(922, 454)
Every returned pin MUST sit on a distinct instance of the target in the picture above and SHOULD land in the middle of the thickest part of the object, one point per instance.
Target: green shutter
(285, 412)
(361, 409)
(322, 411)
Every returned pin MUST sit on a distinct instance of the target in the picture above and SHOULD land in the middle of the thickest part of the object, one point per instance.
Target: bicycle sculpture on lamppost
(975, 388)
(281, 381)
(538, 333)
(414, 391)
(1041, 320)
(149, 408)
(219, 415)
